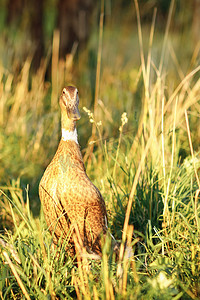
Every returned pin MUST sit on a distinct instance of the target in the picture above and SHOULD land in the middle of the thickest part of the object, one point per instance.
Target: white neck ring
(69, 135)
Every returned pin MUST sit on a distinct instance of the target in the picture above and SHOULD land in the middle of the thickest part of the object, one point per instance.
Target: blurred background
(46, 44)
(32, 24)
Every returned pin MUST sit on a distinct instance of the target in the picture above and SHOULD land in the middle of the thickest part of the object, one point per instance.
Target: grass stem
(11, 265)
(191, 148)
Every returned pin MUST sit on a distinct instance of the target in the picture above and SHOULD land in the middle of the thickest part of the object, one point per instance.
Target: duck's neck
(69, 132)
(69, 135)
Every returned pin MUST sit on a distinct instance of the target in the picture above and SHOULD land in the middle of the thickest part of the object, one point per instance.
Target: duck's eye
(64, 92)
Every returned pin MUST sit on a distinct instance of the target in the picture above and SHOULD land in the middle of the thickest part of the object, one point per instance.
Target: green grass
(147, 171)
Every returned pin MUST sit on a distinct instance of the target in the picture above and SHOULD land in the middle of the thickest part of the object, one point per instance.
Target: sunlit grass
(144, 159)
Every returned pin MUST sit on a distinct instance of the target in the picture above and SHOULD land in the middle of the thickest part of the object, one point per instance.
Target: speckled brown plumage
(67, 194)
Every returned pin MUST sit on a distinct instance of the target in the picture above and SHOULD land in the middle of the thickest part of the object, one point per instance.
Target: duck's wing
(84, 205)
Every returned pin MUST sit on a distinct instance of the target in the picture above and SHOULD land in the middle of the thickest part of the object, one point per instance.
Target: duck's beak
(73, 113)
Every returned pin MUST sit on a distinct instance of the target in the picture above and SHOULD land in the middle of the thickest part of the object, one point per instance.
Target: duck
(69, 199)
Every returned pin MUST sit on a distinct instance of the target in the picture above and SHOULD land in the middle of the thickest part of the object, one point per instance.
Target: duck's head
(69, 101)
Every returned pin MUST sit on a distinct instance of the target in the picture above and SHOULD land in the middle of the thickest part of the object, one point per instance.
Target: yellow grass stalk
(147, 81)
(175, 60)
(179, 87)
(83, 264)
(174, 135)
(99, 54)
(196, 208)
(166, 216)
(2, 103)
(146, 76)
(108, 283)
(105, 275)
(163, 144)
(124, 120)
(173, 152)
(11, 249)
(135, 275)
(97, 84)
(143, 123)
(166, 35)
(11, 265)
(54, 69)
(140, 39)
(151, 100)
(193, 254)
(126, 260)
(190, 294)
(1, 295)
(95, 293)
(191, 148)
(20, 107)
(74, 282)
